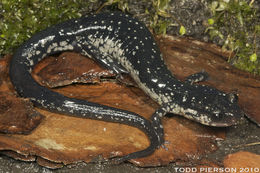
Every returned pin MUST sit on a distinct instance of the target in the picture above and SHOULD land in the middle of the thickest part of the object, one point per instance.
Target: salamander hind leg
(197, 77)
(157, 123)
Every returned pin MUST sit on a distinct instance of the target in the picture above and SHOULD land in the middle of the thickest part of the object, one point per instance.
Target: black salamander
(123, 45)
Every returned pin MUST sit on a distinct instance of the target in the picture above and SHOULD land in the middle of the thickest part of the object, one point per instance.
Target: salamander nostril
(232, 97)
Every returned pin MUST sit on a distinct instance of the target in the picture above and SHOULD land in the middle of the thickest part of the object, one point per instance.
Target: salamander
(122, 44)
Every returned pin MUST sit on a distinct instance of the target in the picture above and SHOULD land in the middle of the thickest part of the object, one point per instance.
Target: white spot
(216, 112)
(63, 43)
(191, 111)
(31, 62)
(184, 98)
(96, 27)
(154, 80)
(161, 85)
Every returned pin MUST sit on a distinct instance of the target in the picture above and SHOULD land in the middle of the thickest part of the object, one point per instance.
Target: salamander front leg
(197, 77)
(88, 49)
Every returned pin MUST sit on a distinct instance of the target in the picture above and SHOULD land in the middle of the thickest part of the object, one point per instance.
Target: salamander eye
(232, 97)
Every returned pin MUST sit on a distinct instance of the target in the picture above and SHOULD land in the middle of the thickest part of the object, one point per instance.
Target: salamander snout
(213, 107)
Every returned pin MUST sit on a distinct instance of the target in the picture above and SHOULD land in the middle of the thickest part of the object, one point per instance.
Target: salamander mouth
(227, 121)
(223, 124)
(205, 119)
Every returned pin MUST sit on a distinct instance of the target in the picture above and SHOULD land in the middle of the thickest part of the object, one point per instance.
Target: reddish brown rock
(17, 156)
(62, 139)
(55, 72)
(17, 115)
(243, 161)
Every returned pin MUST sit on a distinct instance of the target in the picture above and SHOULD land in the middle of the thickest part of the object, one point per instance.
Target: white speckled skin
(123, 45)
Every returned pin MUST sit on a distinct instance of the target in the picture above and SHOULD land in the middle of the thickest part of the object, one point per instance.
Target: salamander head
(211, 107)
